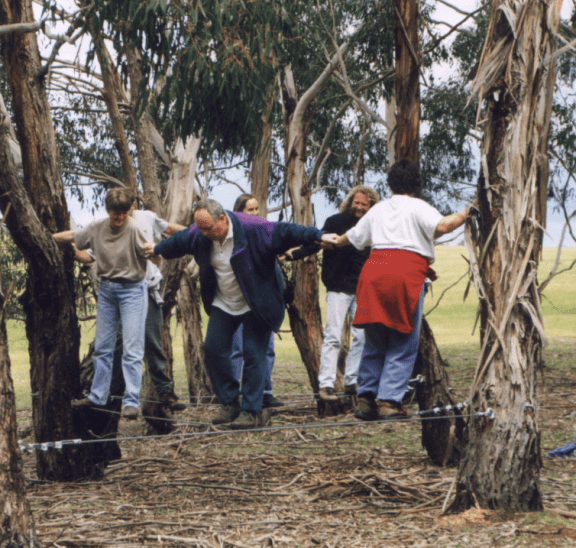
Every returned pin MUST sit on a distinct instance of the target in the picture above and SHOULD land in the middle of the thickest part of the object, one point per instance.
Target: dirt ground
(342, 484)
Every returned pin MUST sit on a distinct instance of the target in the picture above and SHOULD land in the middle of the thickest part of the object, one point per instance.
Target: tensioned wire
(435, 415)
(212, 399)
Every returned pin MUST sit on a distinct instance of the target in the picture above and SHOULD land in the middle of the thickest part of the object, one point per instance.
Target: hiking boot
(171, 400)
(271, 401)
(391, 410)
(367, 409)
(227, 414)
(328, 394)
(246, 420)
(84, 402)
(350, 390)
(130, 413)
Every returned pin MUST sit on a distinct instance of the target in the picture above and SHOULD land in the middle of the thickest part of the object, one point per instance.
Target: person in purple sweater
(239, 285)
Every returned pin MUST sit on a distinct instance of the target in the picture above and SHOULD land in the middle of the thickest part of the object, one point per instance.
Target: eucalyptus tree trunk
(153, 194)
(303, 307)
(180, 286)
(198, 380)
(260, 168)
(407, 83)
(18, 527)
(515, 79)
(443, 437)
(38, 207)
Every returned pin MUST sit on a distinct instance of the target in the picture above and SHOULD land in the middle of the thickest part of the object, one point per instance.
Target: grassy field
(452, 322)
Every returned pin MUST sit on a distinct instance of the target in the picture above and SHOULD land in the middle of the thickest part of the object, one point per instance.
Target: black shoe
(271, 401)
(84, 402)
(172, 401)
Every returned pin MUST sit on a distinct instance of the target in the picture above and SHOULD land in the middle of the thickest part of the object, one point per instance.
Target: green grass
(452, 323)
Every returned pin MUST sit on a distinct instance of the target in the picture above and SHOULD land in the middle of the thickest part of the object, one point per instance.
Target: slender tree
(443, 439)
(18, 527)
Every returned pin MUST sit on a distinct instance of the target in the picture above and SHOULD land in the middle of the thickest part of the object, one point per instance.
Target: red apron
(389, 288)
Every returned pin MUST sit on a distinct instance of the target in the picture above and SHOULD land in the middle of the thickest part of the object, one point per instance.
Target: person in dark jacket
(239, 284)
(340, 272)
(247, 203)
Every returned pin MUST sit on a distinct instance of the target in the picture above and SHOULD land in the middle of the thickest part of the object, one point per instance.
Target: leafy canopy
(215, 61)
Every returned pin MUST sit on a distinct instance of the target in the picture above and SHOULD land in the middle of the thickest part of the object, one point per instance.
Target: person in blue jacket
(239, 284)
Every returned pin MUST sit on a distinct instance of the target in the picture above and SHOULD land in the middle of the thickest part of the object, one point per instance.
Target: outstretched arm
(340, 241)
(66, 237)
(450, 223)
(172, 228)
(82, 256)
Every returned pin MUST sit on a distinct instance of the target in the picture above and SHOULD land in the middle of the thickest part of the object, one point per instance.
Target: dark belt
(119, 280)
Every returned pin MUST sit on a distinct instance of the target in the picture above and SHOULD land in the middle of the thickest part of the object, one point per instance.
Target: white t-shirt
(400, 222)
(153, 227)
(229, 296)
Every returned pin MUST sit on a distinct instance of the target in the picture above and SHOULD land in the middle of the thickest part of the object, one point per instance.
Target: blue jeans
(237, 357)
(217, 350)
(338, 306)
(119, 305)
(153, 349)
(388, 359)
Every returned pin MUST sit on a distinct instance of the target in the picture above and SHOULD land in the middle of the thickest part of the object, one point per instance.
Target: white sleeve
(160, 226)
(360, 236)
(428, 219)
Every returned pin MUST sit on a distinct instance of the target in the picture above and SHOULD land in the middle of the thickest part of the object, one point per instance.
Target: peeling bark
(501, 468)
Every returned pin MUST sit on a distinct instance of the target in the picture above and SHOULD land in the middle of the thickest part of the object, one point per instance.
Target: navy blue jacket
(257, 242)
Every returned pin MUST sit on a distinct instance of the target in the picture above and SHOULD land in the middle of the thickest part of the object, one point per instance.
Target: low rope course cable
(435, 412)
(308, 395)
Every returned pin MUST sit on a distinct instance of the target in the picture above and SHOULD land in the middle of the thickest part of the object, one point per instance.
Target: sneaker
(84, 402)
(172, 401)
(328, 394)
(271, 401)
(246, 420)
(130, 413)
(391, 410)
(367, 409)
(227, 413)
(350, 390)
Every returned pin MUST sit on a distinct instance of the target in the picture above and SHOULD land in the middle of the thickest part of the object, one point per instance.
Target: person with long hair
(341, 269)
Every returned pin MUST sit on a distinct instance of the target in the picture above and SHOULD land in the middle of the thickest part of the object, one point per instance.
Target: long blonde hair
(370, 193)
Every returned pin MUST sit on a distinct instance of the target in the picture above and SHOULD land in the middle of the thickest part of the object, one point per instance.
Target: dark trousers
(217, 350)
(155, 357)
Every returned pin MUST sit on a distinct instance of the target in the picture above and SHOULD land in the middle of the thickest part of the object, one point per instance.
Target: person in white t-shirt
(153, 226)
(390, 294)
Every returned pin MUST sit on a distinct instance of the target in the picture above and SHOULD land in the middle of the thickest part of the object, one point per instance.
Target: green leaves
(217, 61)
